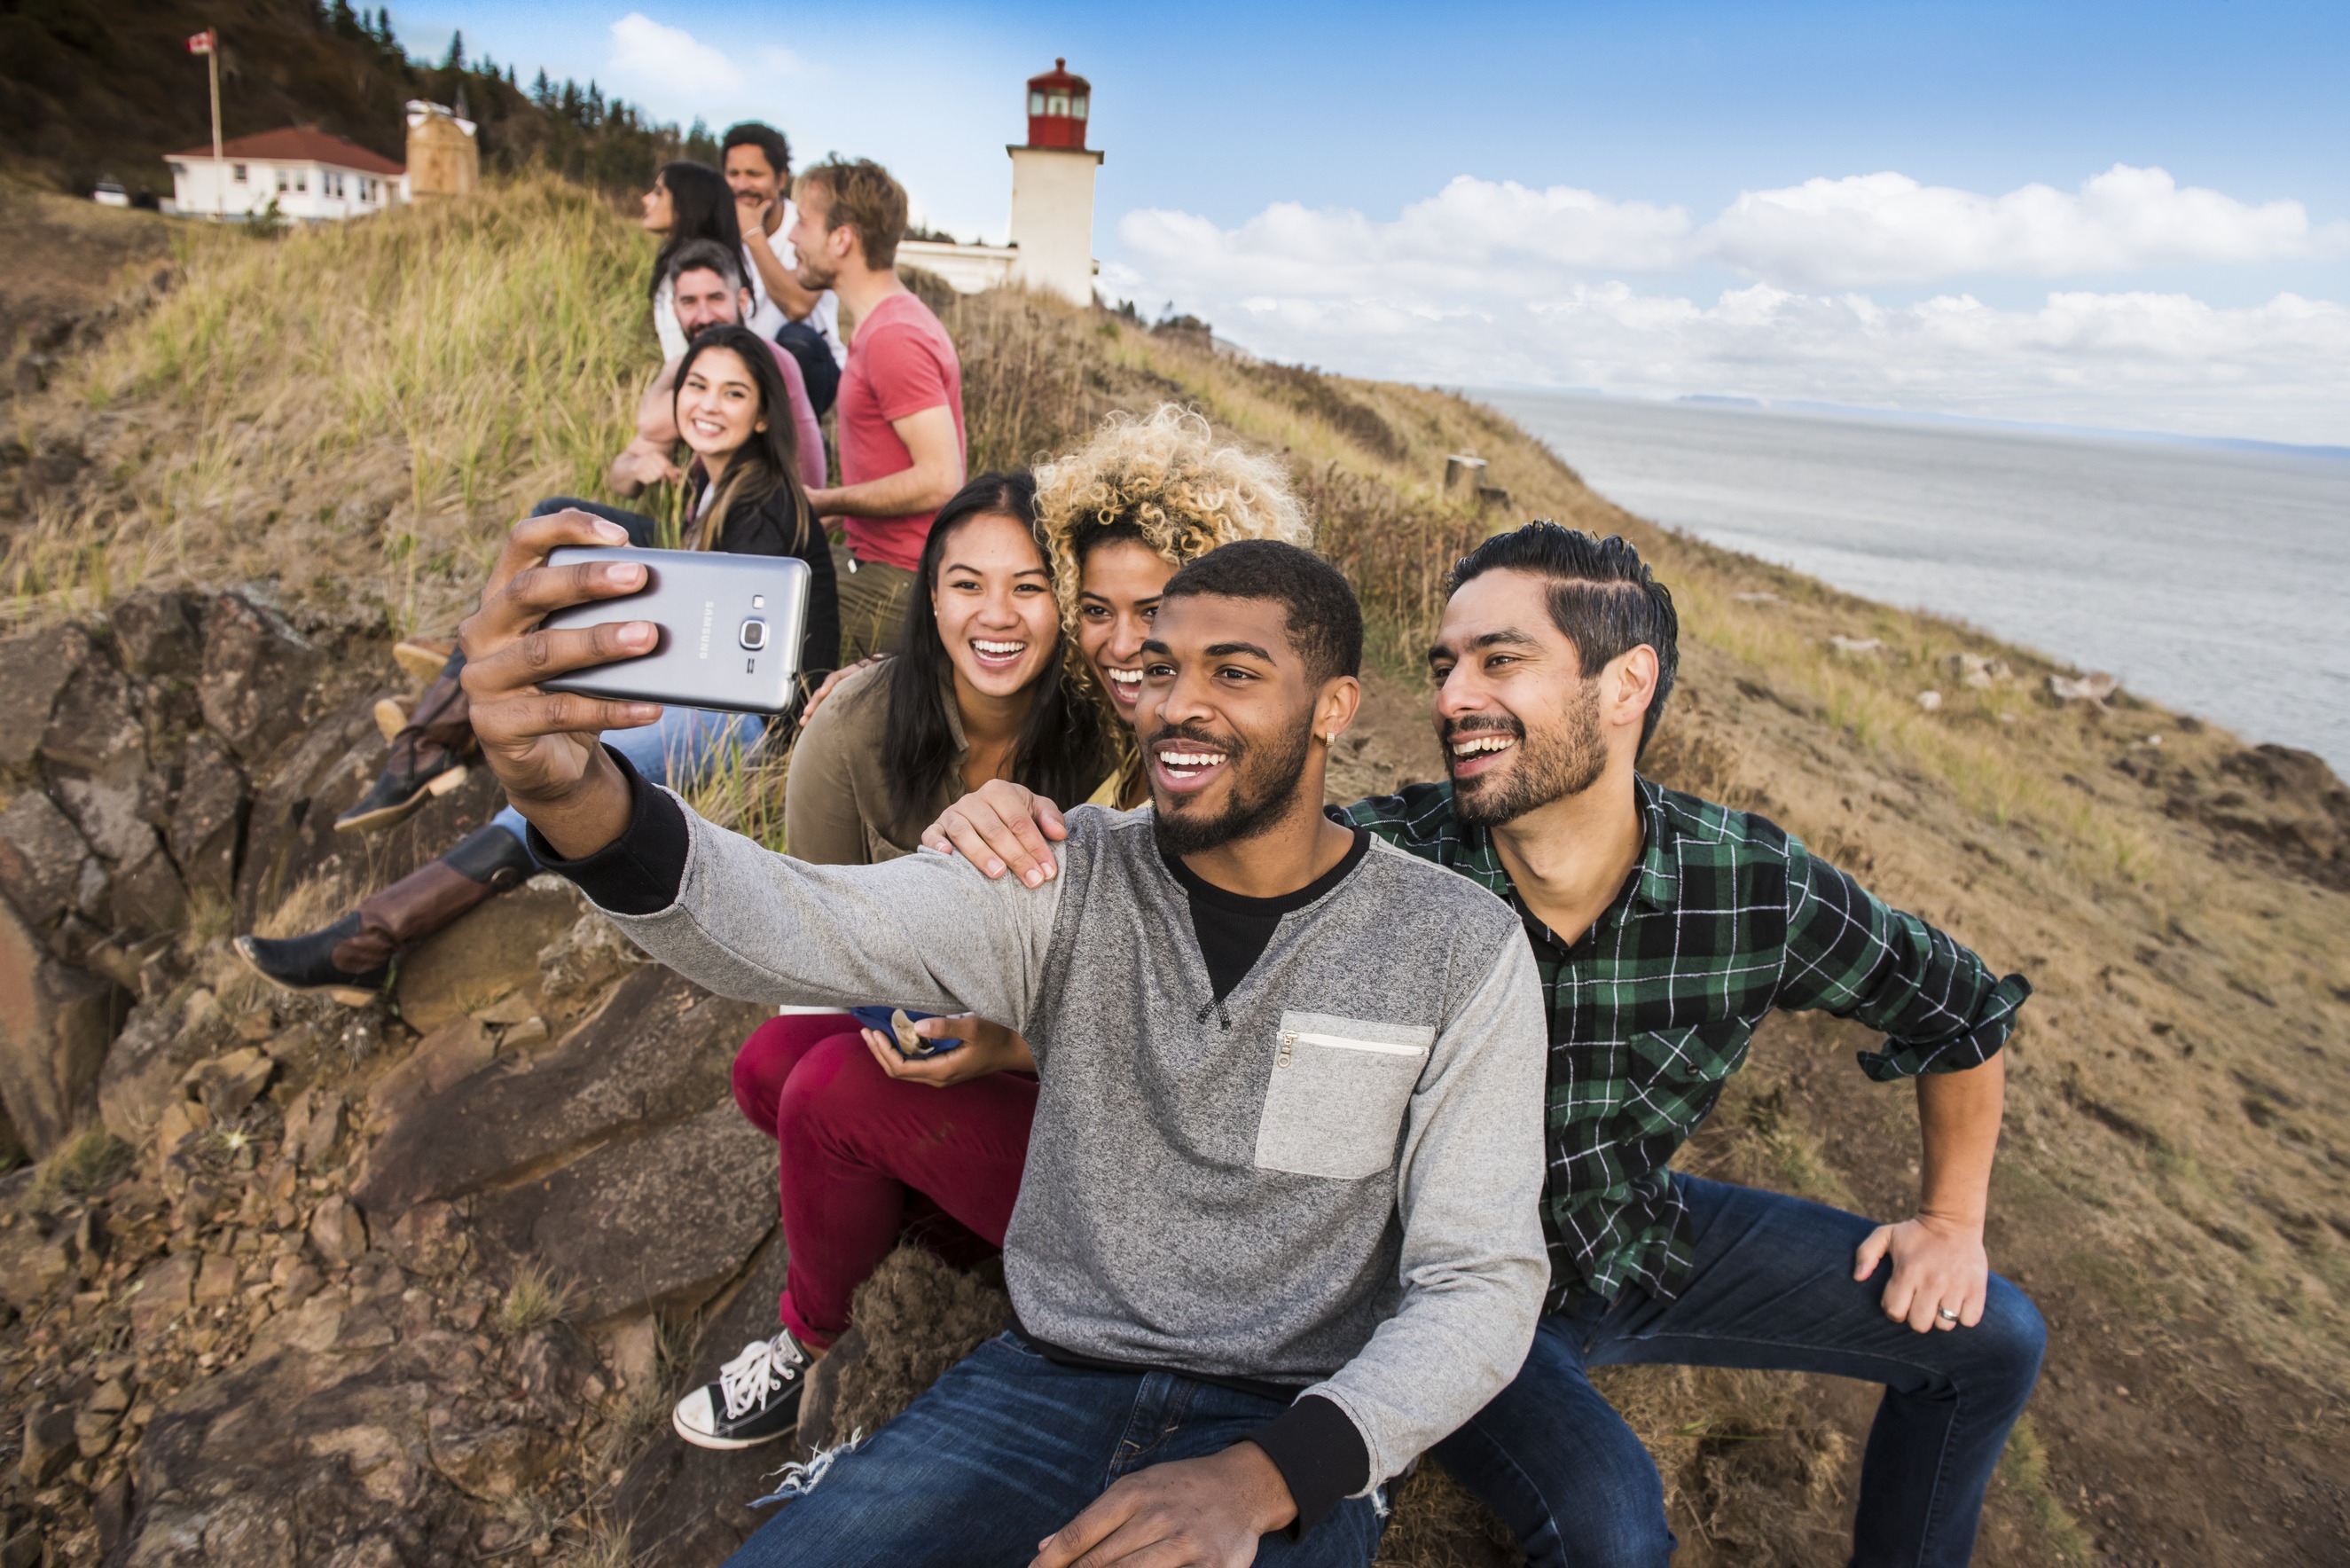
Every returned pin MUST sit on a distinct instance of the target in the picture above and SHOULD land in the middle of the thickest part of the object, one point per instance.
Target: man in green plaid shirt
(1666, 927)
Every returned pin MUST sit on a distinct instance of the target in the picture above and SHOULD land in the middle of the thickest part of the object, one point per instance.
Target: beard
(1264, 783)
(1557, 761)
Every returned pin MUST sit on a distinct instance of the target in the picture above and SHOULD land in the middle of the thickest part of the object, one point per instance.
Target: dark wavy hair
(769, 460)
(1059, 752)
(1603, 598)
(700, 208)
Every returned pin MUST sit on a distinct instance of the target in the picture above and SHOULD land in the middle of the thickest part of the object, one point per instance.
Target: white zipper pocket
(1345, 1042)
(1339, 1092)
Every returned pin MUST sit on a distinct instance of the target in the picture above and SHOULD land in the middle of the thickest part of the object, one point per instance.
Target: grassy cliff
(354, 415)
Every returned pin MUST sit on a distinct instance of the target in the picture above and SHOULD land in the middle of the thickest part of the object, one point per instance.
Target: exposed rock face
(160, 634)
(34, 669)
(56, 1023)
(473, 962)
(657, 1053)
(306, 1457)
(41, 856)
(207, 818)
(293, 1320)
(658, 1221)
(257, 674)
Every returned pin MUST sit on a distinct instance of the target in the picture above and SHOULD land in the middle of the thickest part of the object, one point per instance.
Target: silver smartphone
(730, 630)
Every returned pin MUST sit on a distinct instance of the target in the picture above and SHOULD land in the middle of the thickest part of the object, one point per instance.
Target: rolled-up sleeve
(1851, 954)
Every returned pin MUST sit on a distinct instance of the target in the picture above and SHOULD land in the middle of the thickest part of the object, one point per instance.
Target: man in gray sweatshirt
(1277, 1233)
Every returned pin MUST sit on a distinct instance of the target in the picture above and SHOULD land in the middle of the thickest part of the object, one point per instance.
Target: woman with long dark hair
(733, 413)
(977, 692)
(688, 201)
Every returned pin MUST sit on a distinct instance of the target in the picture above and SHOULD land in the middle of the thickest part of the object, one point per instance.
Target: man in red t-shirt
(900, 414)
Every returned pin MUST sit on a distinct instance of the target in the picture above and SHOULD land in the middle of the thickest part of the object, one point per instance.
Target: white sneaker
(755, 1399)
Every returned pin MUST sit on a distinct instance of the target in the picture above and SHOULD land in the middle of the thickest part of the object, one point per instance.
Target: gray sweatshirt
(1330, 1180)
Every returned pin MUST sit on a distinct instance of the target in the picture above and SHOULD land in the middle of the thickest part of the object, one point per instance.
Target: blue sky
(2134, 216)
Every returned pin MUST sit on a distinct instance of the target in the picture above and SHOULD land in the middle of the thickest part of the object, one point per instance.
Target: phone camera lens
(754, 635)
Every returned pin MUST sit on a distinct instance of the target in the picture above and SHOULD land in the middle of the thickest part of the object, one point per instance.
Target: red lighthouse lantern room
(1057, 102)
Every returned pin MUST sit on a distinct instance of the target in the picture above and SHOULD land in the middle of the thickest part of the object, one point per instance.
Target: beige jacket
(837, 796)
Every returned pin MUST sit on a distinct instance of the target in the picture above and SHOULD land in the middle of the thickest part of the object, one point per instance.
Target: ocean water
(2212, 579)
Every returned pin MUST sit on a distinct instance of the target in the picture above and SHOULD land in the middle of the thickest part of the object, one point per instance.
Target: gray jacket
(1330, 1180)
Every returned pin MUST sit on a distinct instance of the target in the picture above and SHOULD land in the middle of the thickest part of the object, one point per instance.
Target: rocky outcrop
(2285, 806)
(55, 1023)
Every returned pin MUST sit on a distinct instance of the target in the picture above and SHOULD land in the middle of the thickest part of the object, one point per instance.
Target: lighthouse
(1053, 188)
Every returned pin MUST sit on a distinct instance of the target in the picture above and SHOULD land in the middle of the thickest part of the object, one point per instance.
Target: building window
(281, 181)
(237, 173)
(1036, 103)
(302, 180)
(1077, 107)
(1058, 104)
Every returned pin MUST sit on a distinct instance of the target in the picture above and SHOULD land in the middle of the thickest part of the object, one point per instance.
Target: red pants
(867, 1159)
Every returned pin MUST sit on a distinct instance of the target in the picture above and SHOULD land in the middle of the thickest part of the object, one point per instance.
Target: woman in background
(689, 200)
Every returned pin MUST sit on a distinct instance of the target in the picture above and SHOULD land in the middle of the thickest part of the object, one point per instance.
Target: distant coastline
(1814, 408)
(2177, 563)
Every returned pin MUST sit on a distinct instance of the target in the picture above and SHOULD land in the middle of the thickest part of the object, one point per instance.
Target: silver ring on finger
(1946, 1315)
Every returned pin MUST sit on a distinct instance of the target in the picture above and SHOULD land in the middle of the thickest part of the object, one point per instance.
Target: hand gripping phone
(730, 630)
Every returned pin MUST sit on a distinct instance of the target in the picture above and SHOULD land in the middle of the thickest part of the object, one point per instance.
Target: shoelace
(764, 1366)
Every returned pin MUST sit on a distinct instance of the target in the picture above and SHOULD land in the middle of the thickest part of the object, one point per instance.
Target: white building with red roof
(315, 177)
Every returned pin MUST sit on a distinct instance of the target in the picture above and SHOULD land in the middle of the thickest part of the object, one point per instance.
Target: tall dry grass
(357, 411)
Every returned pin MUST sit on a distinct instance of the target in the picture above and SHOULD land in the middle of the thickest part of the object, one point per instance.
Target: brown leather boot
(353, 961)
(427, 757)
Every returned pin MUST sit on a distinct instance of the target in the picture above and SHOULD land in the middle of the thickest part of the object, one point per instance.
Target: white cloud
(1491, 283)
(1888, 228)
(1474, 233)
(2279, 370)
(1505, 238)
(650, 57)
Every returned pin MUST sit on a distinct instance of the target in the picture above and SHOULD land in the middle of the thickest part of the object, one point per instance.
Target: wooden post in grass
(207, 43)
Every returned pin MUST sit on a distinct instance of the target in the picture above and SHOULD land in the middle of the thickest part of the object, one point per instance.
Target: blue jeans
(1005, 1450)
(1773, 1288)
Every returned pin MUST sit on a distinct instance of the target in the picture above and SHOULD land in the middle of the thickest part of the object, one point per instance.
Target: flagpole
(220, 168)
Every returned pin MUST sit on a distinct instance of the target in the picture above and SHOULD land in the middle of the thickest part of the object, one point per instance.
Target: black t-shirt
(1233, 930)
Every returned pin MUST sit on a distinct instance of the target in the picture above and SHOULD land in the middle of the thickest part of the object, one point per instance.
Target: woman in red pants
(877, 1146)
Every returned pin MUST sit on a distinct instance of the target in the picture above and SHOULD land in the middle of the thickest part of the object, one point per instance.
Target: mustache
(1459, 729)
(1197, 735)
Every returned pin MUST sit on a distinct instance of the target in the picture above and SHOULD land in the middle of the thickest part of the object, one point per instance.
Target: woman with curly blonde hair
(1120, 514)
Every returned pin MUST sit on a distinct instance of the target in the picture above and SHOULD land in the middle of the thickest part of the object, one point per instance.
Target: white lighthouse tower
(1053, 188)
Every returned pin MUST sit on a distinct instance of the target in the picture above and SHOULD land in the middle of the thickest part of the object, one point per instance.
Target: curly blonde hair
(1170, 481)
(1166, 482)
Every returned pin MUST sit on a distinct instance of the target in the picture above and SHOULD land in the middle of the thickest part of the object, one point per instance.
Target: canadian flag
(201, 43)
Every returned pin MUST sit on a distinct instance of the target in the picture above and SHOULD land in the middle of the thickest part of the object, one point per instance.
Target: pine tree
(456, 60)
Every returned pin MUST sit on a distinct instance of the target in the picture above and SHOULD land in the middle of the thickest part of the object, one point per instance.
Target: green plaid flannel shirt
(1725, 919)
